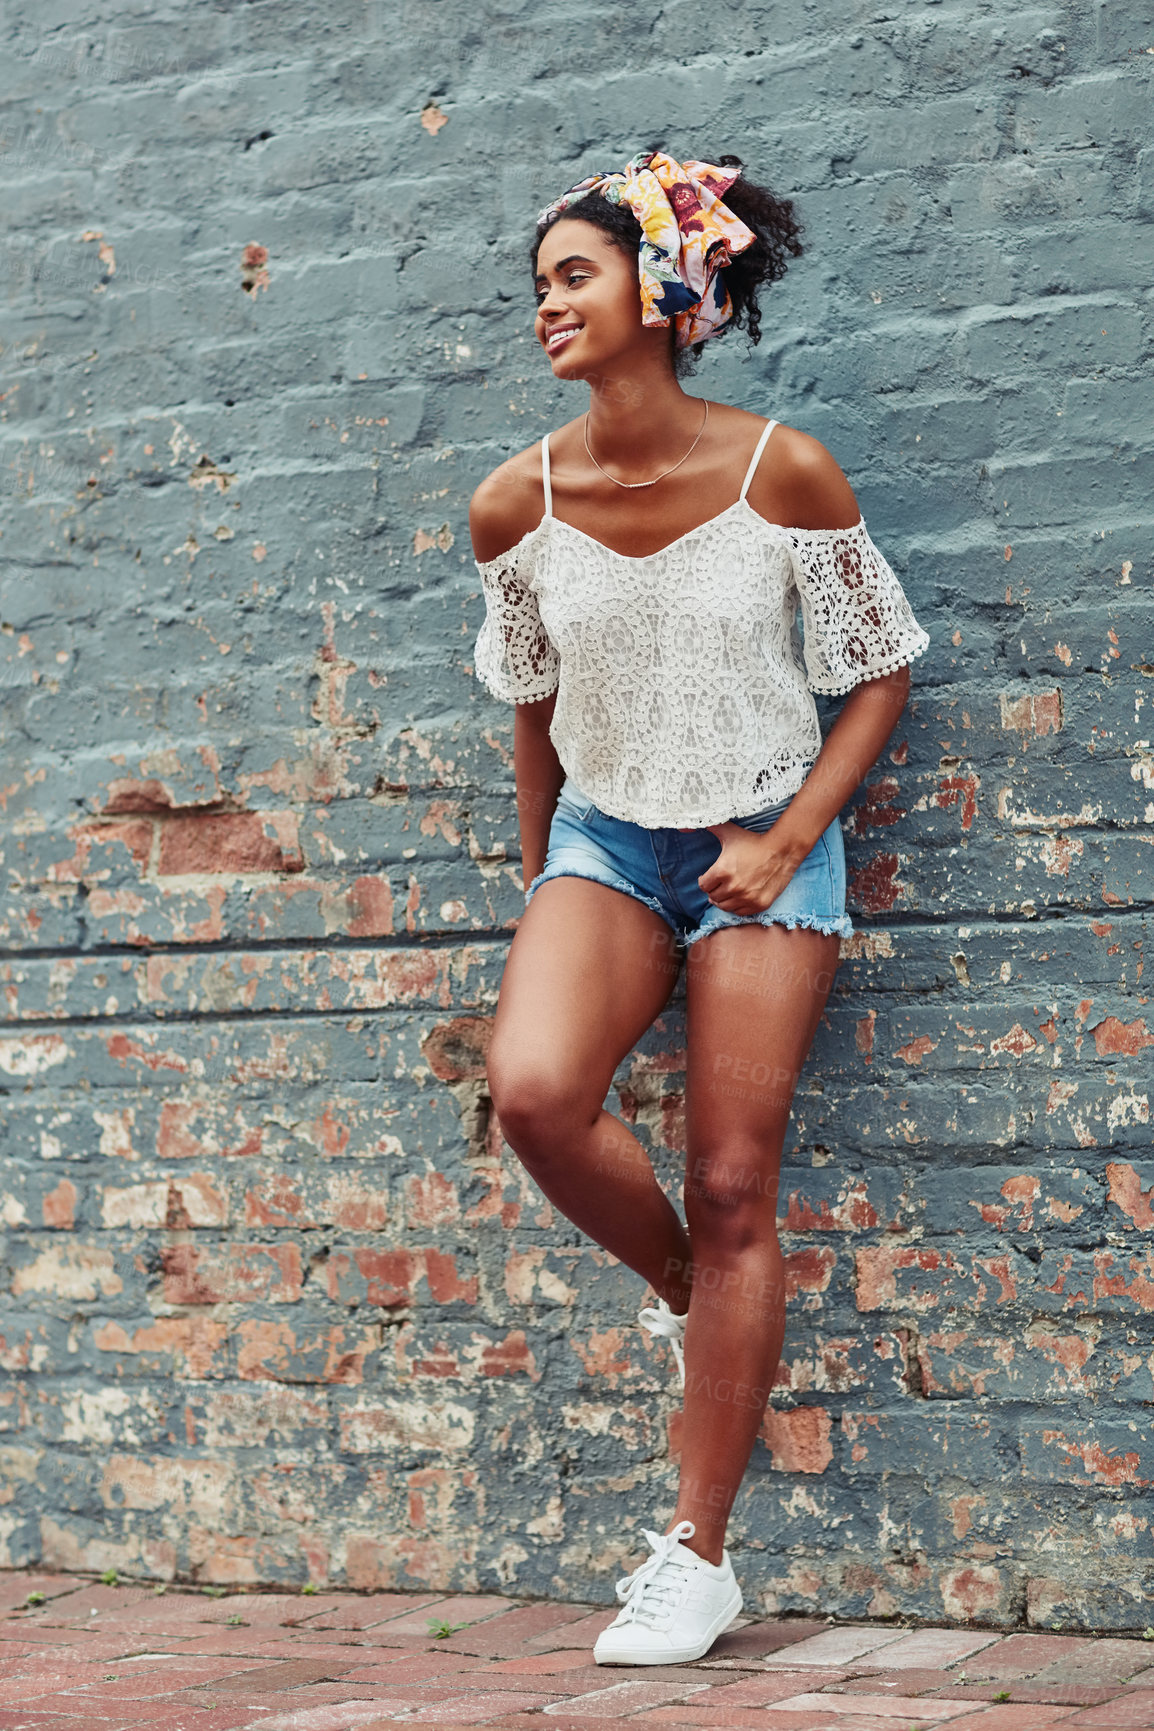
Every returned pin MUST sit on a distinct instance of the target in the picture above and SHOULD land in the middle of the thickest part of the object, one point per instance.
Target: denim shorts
(660, 867)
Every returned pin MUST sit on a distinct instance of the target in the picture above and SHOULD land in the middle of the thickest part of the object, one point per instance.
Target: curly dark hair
(774, 221)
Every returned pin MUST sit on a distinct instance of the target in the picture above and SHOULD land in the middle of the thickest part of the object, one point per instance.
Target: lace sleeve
(514, 654)
(858, 622)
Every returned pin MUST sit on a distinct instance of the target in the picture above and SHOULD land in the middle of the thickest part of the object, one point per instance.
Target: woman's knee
(536, 1108)
(731, 1203)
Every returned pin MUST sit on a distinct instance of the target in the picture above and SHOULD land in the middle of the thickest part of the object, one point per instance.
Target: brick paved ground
(121, 1657)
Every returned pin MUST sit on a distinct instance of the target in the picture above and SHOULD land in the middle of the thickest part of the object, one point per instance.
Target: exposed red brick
(878, 808)
(59, 1206)
(193, 1342)
(388, 1276)
(808, 1270)
(852, 1212)
(605, 1353)
(1033, 714)
(969, 1591)
(431, 1200)
(510, 1357)
(877, 1269)
(1107, 1469)
(370, 908)
(875, 887)
(1126, 1193)
(456, 1051)
(240, 842)
(799, 1439)
(1107, 1284)
(135, 838)
(1113, 1038)
(960, 790)
(230, 1273)
(445, 1284)
(276, 1200)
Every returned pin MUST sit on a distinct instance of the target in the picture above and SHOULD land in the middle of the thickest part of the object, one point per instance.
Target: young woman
(642, 569)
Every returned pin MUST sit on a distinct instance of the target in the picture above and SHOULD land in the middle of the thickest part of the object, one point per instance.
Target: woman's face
(588, 301)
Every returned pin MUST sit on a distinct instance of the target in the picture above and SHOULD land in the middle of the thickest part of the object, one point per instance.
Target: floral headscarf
(687, 237)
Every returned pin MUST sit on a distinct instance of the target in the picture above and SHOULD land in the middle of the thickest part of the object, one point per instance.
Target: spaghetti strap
(545, 475)
(765, 432)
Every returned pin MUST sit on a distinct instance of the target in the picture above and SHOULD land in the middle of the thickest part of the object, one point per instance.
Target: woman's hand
(750, 872)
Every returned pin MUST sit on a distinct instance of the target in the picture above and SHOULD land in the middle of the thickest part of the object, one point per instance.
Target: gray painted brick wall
(278, 1302)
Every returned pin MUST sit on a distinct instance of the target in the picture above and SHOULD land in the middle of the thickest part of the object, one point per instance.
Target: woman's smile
(556, 339)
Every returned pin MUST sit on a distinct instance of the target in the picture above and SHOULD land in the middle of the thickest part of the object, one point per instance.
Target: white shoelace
(653, 1591)
(668, 1326)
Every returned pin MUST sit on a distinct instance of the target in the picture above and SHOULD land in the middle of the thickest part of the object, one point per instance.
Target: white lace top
(684, 693)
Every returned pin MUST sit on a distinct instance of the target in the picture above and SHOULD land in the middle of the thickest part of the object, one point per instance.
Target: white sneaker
(669, 1326)
(676, 1605)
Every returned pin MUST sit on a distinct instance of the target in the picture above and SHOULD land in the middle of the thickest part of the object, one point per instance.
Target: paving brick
(702, 1713)
(468, 1609)
(834, 1648)
(935, 1649)
(375, 1608)
(757, 1640)
(287, 1674)
(891, 1708)
(1123, 1713)
(761, 1691)
(1008, 1717)
(541, 1664)
(127, 1682)
(1020, 1656)
(569, 1635)
(1100, 1661)
(14, 1589)
(340, 1716)
(478, 1709)
(621, 1700)
(468, 1677)
(399, 1667)
(508, 1634)
(907, 1682)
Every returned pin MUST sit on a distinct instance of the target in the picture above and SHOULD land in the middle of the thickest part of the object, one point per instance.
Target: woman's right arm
(539, 774)
(505, 507)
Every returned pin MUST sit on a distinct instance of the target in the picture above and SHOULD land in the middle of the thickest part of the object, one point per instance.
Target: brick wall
(278, 1302)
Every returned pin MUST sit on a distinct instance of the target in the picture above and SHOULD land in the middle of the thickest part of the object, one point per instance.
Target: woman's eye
(574, 276)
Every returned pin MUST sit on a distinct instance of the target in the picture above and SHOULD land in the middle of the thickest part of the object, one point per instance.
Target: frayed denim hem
(826, 923)
(560, 870)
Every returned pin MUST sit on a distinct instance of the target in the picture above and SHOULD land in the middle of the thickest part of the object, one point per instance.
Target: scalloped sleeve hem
(859, 624)
(514, 657)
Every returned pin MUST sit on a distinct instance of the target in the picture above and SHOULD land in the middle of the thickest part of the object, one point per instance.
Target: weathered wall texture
(278, 1302)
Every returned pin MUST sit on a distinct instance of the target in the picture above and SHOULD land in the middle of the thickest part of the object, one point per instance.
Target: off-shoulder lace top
(684, 692)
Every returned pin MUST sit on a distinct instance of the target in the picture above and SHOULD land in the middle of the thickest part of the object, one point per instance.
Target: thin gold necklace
(656, 478)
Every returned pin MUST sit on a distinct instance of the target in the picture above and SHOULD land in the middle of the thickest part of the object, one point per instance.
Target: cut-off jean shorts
(660, 867)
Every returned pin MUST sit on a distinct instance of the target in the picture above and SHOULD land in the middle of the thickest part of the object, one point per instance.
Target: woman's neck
(640, 420)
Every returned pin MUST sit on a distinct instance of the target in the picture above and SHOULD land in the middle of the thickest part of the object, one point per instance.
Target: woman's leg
(588, 971)
(755, 996)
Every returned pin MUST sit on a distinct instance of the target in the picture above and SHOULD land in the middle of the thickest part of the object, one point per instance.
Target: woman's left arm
(852, 747)
(810, 485)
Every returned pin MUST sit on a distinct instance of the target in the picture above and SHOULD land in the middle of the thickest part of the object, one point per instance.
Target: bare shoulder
(802, 485)
(509, 503)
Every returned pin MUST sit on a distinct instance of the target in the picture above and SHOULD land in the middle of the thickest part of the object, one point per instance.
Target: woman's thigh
(588, 971)
(754, 998)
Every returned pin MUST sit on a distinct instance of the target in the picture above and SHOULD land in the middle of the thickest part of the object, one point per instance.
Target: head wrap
(687, 237)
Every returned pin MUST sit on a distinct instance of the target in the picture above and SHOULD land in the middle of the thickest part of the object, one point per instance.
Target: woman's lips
(563, 338)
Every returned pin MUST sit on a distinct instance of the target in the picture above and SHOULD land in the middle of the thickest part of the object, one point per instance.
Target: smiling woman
(643, 568)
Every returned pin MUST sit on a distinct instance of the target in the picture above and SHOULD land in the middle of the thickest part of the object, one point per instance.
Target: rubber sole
(674, 1656)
